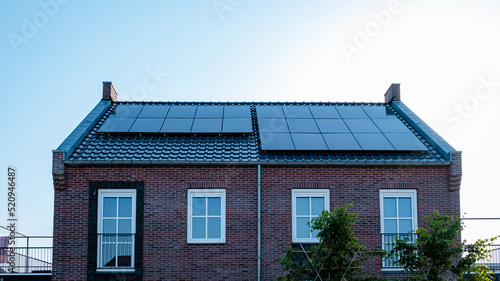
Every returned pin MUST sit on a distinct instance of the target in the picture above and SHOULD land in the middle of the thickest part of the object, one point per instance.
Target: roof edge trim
(442, 146)
(274, 163)
(81, 131)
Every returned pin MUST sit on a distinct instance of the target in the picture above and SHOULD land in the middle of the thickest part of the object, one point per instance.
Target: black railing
(388, 239)
(115, 250)
(27, 255)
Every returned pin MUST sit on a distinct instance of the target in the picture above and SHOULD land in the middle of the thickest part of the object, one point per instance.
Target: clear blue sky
(54, 56)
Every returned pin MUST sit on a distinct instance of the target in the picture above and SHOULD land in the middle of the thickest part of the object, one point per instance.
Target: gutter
(249, 163)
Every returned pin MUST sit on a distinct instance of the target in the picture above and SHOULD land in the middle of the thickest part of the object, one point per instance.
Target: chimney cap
(393, 93)
(109, 92)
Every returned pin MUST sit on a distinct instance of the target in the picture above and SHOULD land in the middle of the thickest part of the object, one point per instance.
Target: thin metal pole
(258, 223)
(27, 253)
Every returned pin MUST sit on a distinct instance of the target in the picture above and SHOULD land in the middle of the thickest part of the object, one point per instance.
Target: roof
(93, 142)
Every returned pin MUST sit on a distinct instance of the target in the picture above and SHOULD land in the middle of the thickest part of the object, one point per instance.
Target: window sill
(206, 242)
(393, 270)
(115, 270)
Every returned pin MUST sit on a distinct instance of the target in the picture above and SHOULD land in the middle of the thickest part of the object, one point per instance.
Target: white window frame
(412, 193)
(325, 193)
(192, 193)
(123, 193)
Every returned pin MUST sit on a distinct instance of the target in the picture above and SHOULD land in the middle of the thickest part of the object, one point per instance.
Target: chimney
(393, 93)
(109, 92)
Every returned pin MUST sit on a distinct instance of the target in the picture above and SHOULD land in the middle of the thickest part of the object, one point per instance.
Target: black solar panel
(392, 125)
(177, 125)
(351, 112)
(236, 125)
(361, 126)
(273, 125)
(297, 112)
(302, 126)
(335, 127)
(158, 118)
(405, 141)
(207, 126)
(232, 111)
(373, 142)
(345, 141)
(276, 141)
(126, 111)
(379, 112)
(154, 111)
(332, 126)
(309, 142)
(281, 127)
(147, 125)
(209, 111)
(117, 125)
(182, 111)
(324, 112)
(270, 112)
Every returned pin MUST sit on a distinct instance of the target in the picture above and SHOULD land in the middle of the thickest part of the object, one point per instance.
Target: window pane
(199, 206)
(125, 207)
(405, 207)
(303, 230)
(390, 207)
(109, 226)
(109, 207)
(199, 228)
(390, 226)
(125, 226)
(302, 206)
(317, 205)
(314, 234)
(214, 228)
(213, 206)
(108, 255)
(125, 238)
(124, 254)
(404, 226)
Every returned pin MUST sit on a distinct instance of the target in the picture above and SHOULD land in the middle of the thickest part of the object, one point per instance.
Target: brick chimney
(109, 92)
(393, 93)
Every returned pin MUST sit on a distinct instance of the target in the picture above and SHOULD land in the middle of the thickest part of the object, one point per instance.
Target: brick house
(203, 190)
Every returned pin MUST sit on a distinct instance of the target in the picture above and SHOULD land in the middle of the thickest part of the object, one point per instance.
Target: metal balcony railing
(388, 239)
(492, 262)
(115, 250)
(28, 255)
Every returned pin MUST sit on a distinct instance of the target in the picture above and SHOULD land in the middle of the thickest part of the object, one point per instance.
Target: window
(398, 211)
(206, 216)
(307, 204)
(116, 228)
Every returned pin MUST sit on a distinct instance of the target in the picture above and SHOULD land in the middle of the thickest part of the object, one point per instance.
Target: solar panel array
(178, 119)
(338, 127)
(281, 127)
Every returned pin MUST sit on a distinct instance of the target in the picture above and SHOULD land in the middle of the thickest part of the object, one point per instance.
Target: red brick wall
(359, 185)
(167, 256)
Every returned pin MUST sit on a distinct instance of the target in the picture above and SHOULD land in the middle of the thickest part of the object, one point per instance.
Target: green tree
(337, 256)
(438, 253)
